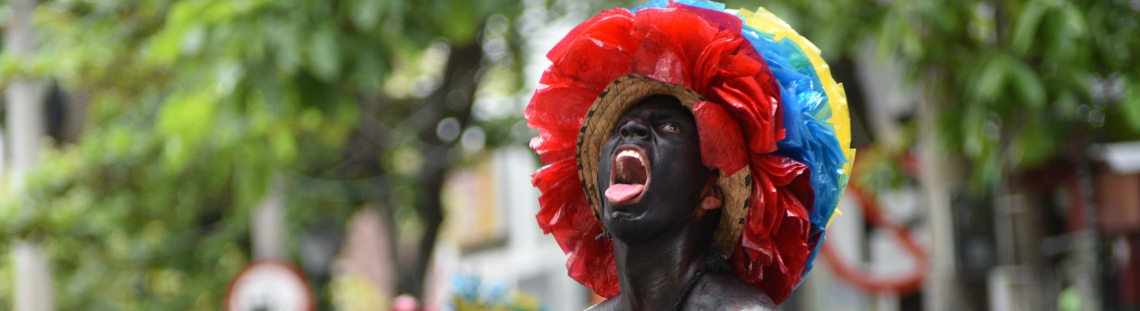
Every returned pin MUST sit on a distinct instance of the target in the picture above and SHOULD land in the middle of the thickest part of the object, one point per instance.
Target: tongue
(622, 193)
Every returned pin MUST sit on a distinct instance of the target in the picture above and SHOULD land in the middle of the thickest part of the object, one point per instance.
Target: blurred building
(1059, 238)
(491, 232)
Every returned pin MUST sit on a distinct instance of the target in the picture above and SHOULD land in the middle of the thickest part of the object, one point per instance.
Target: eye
(672, 128)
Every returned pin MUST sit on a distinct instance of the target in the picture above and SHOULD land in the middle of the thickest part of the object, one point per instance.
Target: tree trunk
(461, 75)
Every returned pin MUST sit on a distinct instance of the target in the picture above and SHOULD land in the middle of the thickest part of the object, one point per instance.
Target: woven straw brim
(614, 101)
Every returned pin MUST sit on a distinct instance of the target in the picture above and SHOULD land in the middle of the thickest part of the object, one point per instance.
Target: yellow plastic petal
(833, 215)
(765, 21)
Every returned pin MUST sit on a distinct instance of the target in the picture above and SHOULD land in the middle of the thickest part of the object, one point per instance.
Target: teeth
(631, 153)
(621, 173)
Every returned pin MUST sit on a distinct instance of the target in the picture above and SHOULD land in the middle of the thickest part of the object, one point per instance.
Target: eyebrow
(659, 114)
(677, 114)
(681, 113)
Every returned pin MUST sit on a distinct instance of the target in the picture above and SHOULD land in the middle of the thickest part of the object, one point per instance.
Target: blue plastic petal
(659, 4)
(705, 4)
(809, 138)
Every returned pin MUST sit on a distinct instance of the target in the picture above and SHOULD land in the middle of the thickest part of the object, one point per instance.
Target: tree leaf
(992, 78)
(324, 54)
(1075, 25)
(1032, 144)
(973, 135)
(366, 13)
(284, 146)
(1130, 106)
(1030, 90)
(286, 46)
(1025, 28)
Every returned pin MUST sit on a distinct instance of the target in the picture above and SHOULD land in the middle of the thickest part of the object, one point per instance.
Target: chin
(617, 219)
(633, 227)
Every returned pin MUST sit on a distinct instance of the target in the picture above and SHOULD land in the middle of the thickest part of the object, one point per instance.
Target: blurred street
(373, 155)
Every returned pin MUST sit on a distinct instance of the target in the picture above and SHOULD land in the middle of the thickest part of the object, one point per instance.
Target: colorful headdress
(772, 122)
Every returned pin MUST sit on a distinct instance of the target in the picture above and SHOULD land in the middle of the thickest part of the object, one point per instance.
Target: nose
(633, 130)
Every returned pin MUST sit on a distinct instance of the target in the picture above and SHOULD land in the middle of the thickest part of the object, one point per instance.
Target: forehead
(659, 106)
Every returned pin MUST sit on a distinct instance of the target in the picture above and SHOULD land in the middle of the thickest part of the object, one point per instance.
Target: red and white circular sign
(269, 285)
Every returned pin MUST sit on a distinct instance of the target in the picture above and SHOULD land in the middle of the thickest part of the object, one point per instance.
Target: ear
(713, 199)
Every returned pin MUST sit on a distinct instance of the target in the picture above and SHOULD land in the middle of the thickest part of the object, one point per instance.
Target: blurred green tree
(196, 107)
(1018, 83)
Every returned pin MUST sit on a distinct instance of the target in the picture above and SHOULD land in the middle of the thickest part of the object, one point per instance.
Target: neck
(652, 274)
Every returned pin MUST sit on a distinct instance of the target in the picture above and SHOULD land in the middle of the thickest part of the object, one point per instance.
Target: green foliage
(1018, 82)
(195, 107)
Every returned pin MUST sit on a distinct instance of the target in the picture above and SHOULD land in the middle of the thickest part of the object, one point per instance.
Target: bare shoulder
(612, 304)
(726, 291)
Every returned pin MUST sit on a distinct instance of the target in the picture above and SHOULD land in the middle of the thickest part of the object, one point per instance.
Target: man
(692, 162)
(663, 231)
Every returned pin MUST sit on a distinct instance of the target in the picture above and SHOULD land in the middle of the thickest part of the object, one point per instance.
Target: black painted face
(653, 162)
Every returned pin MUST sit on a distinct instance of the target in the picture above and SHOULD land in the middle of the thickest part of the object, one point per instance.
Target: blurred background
(371, 154)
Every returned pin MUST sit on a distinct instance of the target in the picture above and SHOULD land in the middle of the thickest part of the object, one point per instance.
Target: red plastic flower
(739, 125)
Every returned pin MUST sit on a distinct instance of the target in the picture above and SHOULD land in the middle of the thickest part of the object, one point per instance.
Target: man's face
(650, 172)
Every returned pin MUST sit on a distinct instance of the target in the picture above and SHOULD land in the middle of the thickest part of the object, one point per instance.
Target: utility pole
(25, 122)
(938, 178)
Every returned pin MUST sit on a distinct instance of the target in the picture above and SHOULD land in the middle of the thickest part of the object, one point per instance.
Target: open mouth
(629, 176)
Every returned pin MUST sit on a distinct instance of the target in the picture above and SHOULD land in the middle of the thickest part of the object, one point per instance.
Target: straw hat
(614, 101)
